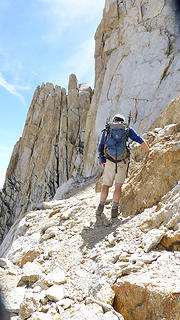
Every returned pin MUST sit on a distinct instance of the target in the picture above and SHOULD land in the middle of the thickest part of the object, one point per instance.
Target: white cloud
(82, 61)
(62, 14)
(12, 88)
(23, 88)
(71, 9)
(5, 148)
(5, 152)
(6, 155)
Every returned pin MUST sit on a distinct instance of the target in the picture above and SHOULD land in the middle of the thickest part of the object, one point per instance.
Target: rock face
(143, 189)
(62, 262)
(50, 150)
(59, 261)
(137, 66)
(163, 161)
(152, 175)
(147, 299)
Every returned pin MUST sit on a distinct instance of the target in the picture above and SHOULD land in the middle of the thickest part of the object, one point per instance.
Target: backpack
(116, 148)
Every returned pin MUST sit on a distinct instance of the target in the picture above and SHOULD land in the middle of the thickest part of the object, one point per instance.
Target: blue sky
(41, 41)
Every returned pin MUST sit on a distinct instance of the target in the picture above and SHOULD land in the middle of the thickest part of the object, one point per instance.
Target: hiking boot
(99, 209)
(114, 212)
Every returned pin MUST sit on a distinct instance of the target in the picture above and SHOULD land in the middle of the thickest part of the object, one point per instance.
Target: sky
(41, 41)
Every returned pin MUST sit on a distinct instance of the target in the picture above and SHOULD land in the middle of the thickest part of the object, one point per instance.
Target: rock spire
(50, 150)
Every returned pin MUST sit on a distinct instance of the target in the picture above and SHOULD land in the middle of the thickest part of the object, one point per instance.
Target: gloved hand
(102, 160)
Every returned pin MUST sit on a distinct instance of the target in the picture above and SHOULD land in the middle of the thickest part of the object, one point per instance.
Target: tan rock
(29, 305)
(151, 182)
(41, 162)
(171, 240)
(166, 212)
(31, 273)
(137, 301)
(29, 256)
(170, 115)
(152, 238)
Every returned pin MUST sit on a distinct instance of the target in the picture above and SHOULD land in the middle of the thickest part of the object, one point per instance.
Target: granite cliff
(61, 262)
(50, 150)
(58, 260)
(137, 64)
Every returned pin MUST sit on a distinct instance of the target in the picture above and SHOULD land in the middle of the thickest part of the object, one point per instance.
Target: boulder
(152, 181)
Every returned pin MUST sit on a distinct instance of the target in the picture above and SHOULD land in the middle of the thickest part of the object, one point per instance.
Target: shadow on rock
(100, 229)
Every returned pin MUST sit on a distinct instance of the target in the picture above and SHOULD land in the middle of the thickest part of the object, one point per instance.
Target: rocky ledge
(62, 262)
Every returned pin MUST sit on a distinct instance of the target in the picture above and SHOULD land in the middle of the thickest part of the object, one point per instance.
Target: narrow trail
(93, 254)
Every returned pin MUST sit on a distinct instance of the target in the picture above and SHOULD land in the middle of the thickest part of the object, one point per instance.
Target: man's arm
(136, 137)
(101, 143)
(101, 158)
(145, 146)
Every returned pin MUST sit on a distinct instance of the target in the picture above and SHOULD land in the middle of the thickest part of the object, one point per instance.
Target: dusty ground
(94, 253)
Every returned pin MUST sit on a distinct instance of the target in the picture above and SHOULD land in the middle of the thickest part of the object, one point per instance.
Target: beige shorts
(110, 174)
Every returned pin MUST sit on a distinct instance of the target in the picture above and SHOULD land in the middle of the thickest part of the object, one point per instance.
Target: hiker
(114, 156)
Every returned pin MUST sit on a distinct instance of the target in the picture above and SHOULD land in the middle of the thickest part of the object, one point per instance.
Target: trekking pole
(129, 121)
(107, 121)
(129, 118)
(116, 156)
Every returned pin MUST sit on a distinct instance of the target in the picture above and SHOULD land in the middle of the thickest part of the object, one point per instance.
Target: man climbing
(114, 156)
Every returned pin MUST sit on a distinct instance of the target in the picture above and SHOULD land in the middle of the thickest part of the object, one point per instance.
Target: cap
(118, 117)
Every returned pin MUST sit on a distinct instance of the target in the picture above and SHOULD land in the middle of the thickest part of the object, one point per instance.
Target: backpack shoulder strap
(127, 128)
(106, 132)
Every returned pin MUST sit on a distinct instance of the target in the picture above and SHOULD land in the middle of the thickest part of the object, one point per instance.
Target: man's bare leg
(104, 193)
(117, 192)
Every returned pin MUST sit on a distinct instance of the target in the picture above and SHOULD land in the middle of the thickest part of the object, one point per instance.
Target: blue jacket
(132, 135)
